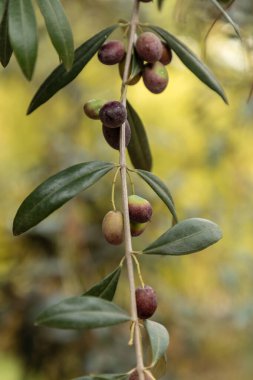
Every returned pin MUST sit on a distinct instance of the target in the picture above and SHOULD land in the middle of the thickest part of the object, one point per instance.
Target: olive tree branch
(123, 171)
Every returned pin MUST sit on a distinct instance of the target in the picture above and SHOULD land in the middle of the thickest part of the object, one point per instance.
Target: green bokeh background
(202, 149)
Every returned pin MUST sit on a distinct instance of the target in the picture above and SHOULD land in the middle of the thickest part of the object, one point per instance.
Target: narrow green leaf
(23, 34)
(136, 66)
(189, 236)
(59, 29)
(160, 189)
(2, 8)
(5, 45)
(227, 17)
(159, 340)
(106, 288)
(138, 148)
(191, 61)
(112, 376)
(60, 77)
(56, 191)
(82, 313)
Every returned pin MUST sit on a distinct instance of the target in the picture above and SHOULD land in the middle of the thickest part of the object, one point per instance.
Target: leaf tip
(16, 232)
(32, 107)
(15, 229)
(3, 63)
(29, 110)
(68, 64)
(224, 97)
(28, 73)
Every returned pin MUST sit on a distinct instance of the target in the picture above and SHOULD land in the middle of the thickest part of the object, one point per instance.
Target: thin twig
(123, 172)
(113, 188)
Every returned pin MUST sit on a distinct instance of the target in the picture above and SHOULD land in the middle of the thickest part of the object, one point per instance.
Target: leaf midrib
(62, 188)
(89, 312)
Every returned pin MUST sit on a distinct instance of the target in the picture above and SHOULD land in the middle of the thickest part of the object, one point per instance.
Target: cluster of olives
(112, 115)
(140, 212)
(152, 54)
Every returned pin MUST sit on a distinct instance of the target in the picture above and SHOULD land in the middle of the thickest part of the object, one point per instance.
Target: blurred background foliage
(203, 151)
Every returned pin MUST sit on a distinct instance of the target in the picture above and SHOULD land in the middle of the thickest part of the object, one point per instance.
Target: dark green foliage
(56, 191)
(135, 70)
(2, 8)
(23, 34)
(191, 61)
(60, 77)
(189, 236)
(138, 148)
(58, 29)
(82, 313)
(106, 288)
(160, 188)
(5, 45)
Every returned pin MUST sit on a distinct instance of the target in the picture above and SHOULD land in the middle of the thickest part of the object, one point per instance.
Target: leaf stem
(138, 270)
(113, 188)
(123, 172)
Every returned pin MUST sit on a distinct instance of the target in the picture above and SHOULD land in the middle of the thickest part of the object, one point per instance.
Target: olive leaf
(161, 190)
(23, 34)
(60, 77)
(56, 191)
(189, 236)
(106, 288)
(227, 17)
(82, 312)
(191, 61)
(5, 45)
(136, 66)
(159, 340)
(138, 148)
(59, 29)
